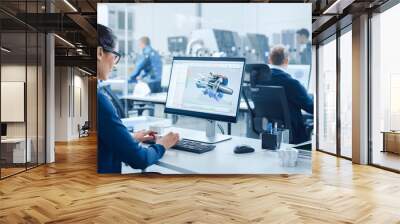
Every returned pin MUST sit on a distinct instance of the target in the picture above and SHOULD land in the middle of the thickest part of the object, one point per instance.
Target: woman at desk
(115, 143)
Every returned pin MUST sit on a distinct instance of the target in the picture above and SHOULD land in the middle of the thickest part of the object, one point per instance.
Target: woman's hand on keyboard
(168, 140)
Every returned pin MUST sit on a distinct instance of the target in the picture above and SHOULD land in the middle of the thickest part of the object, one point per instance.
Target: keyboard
(193, 146)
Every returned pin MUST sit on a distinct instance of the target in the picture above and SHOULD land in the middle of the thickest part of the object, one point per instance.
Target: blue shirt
(148, 67)
(116, 144)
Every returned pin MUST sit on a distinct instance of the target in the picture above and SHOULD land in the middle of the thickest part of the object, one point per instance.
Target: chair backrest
(115, 101)
(86, 125)
(270, 102)
(258, 72)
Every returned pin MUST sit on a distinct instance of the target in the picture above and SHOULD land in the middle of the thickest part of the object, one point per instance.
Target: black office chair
(269, 101)
(84, 129)
(257, 73)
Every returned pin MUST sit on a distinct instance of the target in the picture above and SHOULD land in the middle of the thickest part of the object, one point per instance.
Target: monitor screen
(205, 87)
(301, 73)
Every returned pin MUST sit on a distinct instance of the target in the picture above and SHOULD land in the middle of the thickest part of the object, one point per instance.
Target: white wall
(71, 94)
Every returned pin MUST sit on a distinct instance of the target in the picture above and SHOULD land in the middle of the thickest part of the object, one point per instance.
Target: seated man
(297, 96)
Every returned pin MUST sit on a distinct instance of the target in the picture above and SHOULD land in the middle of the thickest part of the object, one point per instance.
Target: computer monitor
(177, 44)
(301, 73)
(3, 130)
(206, 87)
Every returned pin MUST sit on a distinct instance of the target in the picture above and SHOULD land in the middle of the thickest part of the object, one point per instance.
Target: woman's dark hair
(105, 37)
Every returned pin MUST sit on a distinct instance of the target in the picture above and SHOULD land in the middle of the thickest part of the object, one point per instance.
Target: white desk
(222, 160)
(161, 98)
(19, 155)
(158, 98)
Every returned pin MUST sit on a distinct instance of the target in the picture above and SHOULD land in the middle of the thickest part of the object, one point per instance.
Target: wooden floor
(70, 191)
(386, 159)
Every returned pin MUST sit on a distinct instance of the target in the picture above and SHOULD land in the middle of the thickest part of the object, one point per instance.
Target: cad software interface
(205, 86)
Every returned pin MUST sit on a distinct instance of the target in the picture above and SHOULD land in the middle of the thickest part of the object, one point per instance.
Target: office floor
(10, 170)
(70, 191)
(387, 159)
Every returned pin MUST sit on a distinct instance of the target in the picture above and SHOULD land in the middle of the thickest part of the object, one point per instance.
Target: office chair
(269, 101)
(256, 74)
(84, 129)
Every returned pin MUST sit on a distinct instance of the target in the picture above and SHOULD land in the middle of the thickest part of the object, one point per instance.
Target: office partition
(22, 77)
(327, 130)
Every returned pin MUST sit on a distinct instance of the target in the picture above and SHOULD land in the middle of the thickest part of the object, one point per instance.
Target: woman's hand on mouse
(168, 140)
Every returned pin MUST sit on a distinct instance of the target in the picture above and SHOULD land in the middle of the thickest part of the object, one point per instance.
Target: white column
(50, 99)
(360, 90)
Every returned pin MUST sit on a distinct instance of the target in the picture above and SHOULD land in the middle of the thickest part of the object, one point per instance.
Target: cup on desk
(288, 156)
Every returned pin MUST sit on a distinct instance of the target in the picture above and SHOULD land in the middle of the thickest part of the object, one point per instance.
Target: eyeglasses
(117, 56)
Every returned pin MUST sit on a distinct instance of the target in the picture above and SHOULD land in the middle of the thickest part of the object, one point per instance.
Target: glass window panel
(13, 83)
(32, 98)
(346, 94)
(130, 21)
(327, 97)
(121, 20)
(385, 87)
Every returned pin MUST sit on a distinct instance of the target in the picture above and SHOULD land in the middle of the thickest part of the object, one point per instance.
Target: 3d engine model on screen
(214, 85)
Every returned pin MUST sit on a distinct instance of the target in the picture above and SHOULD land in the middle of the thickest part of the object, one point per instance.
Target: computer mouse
(240, 149)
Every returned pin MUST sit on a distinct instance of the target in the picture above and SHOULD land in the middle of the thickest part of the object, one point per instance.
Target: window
(327, 96)
(112, 19)
(22, 76)
(385, 87)
(121, 20)
(130, 21)
(346, 94)
(130, 46)
(121, 47)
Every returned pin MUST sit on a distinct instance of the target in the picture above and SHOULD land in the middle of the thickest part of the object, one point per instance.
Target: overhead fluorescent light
(70, 5)
(338, 6)
(5, 50)
(84, 71)
(65, 41)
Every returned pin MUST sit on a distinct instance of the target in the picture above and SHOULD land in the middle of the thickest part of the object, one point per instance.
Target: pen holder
(271, 141)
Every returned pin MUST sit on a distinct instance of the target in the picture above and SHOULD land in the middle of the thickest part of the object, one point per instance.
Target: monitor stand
(210, 136)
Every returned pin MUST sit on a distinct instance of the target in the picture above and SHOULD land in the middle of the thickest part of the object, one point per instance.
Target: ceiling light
(70, 5)
(84, 71)
(5, 50)
(65, 41)
(338, 6)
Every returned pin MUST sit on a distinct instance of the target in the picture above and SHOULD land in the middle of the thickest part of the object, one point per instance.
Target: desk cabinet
(391, 142)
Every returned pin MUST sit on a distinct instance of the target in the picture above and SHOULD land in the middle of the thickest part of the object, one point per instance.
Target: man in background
(302, 37)
(148, 67)
(297, 96)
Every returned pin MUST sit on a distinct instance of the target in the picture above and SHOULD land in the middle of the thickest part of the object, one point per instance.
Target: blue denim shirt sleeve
(116, 143)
